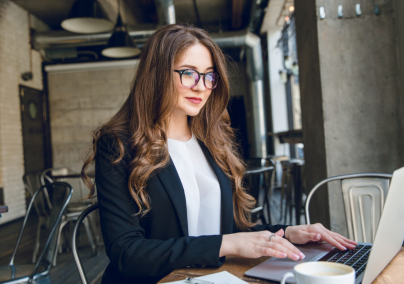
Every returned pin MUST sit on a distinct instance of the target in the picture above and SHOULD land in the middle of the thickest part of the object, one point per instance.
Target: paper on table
(223, 277)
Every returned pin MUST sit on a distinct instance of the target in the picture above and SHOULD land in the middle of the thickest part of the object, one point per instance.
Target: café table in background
(392, 273)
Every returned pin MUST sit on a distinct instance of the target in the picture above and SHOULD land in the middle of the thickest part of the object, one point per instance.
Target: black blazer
(145, 249)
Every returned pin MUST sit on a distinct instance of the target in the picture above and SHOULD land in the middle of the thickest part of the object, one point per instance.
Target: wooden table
(393, 273)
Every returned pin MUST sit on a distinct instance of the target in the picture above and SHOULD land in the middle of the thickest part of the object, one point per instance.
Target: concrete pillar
(351, 105)
(399, 11)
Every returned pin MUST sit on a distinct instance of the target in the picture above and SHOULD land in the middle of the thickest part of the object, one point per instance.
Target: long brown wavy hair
(144, 115)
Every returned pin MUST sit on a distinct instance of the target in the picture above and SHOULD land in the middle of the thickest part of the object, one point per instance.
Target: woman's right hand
(257, 244)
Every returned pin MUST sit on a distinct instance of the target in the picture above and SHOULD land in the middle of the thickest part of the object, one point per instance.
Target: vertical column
(399, 11)
(312, 107)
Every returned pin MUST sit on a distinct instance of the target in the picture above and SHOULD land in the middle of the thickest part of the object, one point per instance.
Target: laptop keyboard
(356, 258)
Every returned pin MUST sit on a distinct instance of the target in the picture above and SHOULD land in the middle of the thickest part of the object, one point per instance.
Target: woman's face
(191, 100)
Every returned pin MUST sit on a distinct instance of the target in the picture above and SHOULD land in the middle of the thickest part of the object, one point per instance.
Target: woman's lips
(195, 100)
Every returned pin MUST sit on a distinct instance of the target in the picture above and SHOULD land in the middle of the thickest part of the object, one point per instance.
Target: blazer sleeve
(265, 227)
(129, 251)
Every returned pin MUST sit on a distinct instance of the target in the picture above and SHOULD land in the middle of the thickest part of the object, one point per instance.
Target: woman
(168, 175)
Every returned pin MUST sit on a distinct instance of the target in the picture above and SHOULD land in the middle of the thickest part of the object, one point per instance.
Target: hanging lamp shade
(120, 44)
(87, 16)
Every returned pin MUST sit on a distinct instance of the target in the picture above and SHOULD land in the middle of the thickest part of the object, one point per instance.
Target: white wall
(16, 57)
(81, 98)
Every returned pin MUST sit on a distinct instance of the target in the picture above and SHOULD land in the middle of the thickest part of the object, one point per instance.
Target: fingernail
(295, 256)
(344, 247)
(318, 236)
(302, 256)
(283, 255)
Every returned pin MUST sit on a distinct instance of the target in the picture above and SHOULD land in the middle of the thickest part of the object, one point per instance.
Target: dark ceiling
(212, 15)
(215, 16)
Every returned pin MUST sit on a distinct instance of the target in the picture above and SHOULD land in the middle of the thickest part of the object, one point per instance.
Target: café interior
(316, 92)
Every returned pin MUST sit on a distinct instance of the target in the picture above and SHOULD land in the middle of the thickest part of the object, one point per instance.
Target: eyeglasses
(190, 78)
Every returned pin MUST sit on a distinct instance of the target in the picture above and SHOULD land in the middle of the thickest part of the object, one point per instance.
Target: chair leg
(269, 196)
(263, 220)
(284, 211)
(291, 212)
(62, 225)
(89, 236)
(37, 241)
(288, 192)
(283, 189)
(43, 280)
(265, 203)
(297, 194)
(265, 207)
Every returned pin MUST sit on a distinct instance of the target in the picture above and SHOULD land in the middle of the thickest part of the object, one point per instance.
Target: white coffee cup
(321, 272)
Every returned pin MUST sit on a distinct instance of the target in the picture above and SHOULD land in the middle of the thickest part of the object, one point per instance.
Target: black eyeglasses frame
(199, 78)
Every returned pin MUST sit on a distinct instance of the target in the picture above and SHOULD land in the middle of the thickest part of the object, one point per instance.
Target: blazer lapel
(172, 183)
(226, 192)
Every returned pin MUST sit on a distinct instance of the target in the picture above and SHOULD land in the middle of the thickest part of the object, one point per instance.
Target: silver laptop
(367, 259)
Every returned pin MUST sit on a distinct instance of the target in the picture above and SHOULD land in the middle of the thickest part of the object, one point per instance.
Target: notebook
(223, 277)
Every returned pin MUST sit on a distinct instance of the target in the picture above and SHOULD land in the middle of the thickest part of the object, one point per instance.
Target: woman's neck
(178, 128)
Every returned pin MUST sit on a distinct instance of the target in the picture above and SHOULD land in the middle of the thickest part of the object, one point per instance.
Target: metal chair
(276, 161)
(80, 220)
(41, 204)
(38, 273)
(363, 193)
(73, 209)
(292, 190)
(260, 179)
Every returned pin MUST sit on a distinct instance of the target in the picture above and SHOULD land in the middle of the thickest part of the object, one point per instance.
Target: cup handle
(286, 276)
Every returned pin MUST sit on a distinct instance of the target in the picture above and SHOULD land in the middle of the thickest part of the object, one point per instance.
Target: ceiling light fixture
(120, 44)
(87, 17)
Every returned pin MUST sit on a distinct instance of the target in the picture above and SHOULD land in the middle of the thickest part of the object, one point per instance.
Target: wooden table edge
(392, 273)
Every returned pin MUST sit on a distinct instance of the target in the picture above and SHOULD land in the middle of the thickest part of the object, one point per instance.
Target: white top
(201, 187)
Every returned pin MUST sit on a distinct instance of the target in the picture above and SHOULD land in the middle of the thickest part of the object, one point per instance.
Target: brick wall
(80, 101)
(16, 57)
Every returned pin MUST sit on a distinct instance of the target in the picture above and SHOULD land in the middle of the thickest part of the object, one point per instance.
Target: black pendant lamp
(120, 44)
(87, 16)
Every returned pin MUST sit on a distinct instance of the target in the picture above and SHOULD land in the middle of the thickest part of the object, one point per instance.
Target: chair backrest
(47, 174)
(292, 171)
(73, 178)
(277, 163)
(60, 194)
(253, 164)
(79, 265)
(363, 196)
(42, 203)
(259, 177)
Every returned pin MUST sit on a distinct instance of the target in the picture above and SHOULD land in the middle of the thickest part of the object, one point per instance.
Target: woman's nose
(200, 86)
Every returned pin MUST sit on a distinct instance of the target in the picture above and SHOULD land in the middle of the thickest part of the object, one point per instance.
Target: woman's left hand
(317, 232)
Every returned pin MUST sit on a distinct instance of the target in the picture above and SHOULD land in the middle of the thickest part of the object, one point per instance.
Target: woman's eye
(188, 73)
(210, 77)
